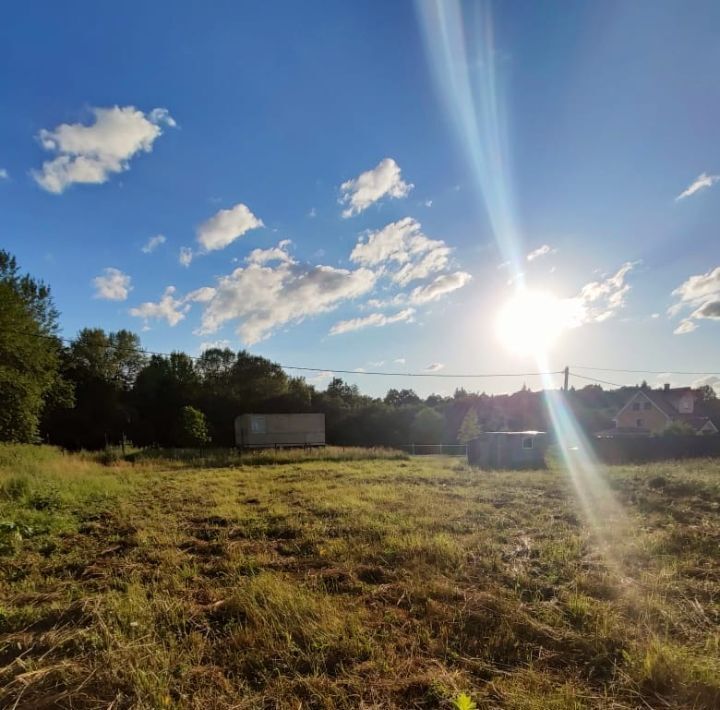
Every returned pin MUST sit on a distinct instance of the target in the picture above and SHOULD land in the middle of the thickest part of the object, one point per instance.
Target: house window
(527, 442)
(640, 423)
(258, 425)
(646, 406)
(636, 406)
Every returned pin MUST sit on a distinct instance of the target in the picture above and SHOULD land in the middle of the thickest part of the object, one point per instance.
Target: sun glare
(531, 322)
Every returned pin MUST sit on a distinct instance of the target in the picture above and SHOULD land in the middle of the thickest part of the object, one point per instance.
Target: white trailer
(279, 430)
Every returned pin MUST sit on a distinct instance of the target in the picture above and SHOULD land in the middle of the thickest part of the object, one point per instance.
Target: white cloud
(596, 301)
(162, 115)
(399, 360)
(701, 293)
(168, 308)
(434, 367)
(600, 300)
(91, 154)
(312, 213)
(153, 243)
(543, 250)
(264, 297)
(428, 203)
(699, 287)
(440, 287)
(224, 227)
(710, 381)
(185, 256)
(435, 260)
(204, 294)
(213, 345)
(403, 243)
(278, 253)
(701, 182)
(112, 285)
(685, 326)
(4, 174)
(371, 186)
(321, 377)
(373, 320)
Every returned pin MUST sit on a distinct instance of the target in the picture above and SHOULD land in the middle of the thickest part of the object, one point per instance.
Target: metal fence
(655, 448)
(434, 449)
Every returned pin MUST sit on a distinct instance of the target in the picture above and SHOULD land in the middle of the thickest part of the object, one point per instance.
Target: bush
(15, 487)
(192, 428)
(679, 429)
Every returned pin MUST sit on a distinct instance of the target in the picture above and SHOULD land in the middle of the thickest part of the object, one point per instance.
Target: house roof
(664, 400)
(694, 420)
(516, 433)
(676, 390)
(622, 431)
(660, 399)
(660, 403)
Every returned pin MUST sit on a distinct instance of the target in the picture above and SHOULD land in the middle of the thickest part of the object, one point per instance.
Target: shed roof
(515, 433)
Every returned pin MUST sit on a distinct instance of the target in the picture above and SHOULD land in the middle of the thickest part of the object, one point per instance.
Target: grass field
(353, 582)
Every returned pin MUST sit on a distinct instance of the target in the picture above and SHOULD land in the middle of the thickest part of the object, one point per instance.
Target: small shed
(508, 449)
(279, 430)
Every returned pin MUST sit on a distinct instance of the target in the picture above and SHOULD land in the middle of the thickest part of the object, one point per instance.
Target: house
(274, 431)
(649, 412)
(508, 449)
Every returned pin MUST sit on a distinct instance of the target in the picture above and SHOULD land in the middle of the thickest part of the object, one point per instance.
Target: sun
(531, 322)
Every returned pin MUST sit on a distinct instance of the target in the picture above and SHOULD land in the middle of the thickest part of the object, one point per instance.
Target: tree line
(100, 388)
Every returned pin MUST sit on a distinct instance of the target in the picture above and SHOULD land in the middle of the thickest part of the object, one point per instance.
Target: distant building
(649, 412)
(508, 449)
(279, 430)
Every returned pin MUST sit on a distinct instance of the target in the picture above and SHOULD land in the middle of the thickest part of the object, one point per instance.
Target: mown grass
(357, 583)
(224, 458)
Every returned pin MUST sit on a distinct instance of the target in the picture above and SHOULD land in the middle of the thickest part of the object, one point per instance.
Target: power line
(594, 379)
(380, 373)
(423, 374)
(384, 373)
(643, 372)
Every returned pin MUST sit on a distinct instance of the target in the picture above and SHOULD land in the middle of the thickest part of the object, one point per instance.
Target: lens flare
(464, 61)
(531, 322)
(463, 58)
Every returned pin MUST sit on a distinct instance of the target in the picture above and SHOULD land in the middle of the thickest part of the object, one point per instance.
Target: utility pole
(567, 377)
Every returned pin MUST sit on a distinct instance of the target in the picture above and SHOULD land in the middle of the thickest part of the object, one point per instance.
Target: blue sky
(277, 118)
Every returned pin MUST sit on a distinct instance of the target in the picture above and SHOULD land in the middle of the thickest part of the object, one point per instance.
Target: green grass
(222, 458)
(352, 579)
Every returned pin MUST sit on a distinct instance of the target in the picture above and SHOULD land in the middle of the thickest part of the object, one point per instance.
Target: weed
(348, 578)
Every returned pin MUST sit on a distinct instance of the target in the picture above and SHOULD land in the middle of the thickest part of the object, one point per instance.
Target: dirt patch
(372, 574)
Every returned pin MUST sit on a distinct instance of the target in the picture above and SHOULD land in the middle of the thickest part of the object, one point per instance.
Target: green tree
(114, 358)
(192, 428)
(162, 388)
(401, 398)
(427, 427)
(103, 368)
(706, 393)
(343, 392)
(469, 429)
(29, 353)
(678, 428)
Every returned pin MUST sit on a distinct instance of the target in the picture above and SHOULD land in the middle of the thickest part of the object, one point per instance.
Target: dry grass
(373, 583)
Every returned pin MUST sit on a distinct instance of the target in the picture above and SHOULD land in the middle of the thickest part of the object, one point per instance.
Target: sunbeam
(462, 57)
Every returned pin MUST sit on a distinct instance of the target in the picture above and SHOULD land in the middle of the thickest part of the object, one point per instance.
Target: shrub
(192, 428)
